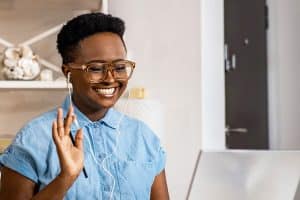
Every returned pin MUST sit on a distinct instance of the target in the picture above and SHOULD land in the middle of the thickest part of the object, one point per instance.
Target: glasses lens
(122, 69)
(96, 71)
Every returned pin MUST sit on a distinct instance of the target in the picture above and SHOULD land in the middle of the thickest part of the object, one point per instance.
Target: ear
(65, 69)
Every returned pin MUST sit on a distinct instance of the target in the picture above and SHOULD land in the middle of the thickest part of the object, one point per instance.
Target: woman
(112, 156)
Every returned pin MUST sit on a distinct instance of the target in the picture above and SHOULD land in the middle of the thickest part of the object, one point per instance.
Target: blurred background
(224, 72)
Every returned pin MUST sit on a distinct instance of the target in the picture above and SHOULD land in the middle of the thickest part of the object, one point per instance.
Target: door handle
(233, 61)
(229, 130)
(226, 59)
(229, 64)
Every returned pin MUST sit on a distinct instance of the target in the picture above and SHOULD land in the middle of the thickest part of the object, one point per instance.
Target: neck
(94, 114)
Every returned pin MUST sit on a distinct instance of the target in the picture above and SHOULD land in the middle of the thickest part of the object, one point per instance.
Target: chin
(107, 102)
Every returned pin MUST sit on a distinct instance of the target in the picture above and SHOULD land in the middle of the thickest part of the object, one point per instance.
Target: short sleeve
(20, 156)
(154, 148)
(160, 160)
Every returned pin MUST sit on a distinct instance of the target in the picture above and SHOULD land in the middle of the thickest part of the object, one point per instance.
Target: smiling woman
(120, 156)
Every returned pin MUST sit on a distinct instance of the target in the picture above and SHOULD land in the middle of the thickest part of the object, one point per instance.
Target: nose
(109, 78)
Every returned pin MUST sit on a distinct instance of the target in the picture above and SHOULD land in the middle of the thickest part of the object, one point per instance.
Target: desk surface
(247, 175)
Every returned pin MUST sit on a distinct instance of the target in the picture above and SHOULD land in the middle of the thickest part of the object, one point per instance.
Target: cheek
(80, 85)
(123, 87)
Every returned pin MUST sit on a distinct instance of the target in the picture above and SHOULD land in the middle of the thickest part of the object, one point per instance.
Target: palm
(70, 155)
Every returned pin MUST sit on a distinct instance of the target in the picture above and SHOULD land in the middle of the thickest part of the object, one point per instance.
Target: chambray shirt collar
(110, 119)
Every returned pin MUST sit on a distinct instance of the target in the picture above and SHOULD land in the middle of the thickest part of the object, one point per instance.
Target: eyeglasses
(97, 71)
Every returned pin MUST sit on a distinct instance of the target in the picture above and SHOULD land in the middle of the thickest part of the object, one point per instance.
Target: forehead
(101, 46)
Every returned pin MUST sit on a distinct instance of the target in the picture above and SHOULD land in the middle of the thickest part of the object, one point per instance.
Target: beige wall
(284, 72)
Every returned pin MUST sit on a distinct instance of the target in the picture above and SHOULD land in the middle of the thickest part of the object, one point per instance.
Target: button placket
(98, 141)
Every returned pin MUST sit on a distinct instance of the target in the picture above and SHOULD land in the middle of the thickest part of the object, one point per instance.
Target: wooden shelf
(5, 142)
(33, 85)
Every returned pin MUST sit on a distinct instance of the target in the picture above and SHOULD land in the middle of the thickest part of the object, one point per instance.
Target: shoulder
(140, 136)
(141, 144)
(37, 133)
(41, 120)
(138, 128)
(30, 148)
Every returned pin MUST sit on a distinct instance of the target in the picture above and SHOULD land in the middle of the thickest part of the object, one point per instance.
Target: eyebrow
(104, 61)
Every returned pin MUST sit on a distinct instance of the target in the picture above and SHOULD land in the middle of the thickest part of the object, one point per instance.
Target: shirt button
(101, 156)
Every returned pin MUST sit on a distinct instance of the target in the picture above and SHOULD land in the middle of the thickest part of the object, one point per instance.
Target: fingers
(69, 120)
(54, 132)
(79, 139)
(60, 123)
(63, 125)
(61, 128)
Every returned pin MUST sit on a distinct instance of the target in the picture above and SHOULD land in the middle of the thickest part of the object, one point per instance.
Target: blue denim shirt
(134, 163)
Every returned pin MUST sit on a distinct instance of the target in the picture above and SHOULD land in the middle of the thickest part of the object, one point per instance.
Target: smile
(107, 92)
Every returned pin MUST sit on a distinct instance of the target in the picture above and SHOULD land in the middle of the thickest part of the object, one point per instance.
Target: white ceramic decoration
(20, 64)
(46, 75)
(12, 53)
(26, 52)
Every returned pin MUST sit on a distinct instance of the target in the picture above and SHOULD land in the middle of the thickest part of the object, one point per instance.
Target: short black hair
(82, 27)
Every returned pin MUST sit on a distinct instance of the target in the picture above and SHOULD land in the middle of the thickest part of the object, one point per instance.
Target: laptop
(246, 175)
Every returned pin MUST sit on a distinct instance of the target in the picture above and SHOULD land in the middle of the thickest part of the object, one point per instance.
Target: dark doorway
(246, 74)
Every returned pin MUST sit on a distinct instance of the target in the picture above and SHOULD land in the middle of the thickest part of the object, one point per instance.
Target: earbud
(68, 82)
(69, 87)
(68, 77)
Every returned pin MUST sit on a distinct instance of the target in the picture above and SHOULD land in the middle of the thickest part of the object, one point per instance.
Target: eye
(120, 67)
(96, 68)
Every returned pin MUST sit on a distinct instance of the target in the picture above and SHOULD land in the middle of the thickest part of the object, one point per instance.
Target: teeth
(109, 91)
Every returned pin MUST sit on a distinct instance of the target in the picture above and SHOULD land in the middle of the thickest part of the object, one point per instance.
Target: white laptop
(246, 175)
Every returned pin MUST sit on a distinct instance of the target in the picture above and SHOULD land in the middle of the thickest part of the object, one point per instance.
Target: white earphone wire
(115, 147)
(90, 146)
